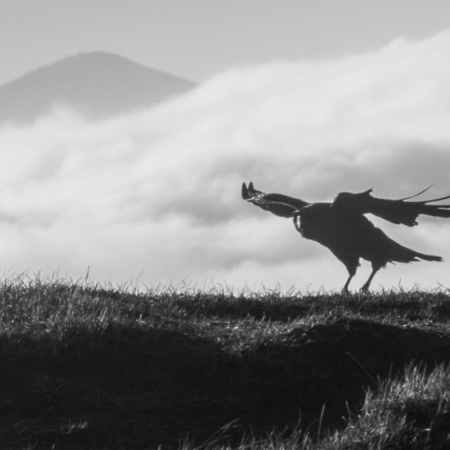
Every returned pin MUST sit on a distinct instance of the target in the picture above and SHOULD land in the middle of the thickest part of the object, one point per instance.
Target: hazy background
(304, 98)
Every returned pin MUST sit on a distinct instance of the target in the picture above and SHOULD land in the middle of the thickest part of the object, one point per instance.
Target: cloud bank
(155, 195)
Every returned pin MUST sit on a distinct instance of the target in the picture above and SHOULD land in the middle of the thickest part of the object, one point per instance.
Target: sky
(303, 98)
(196, 39)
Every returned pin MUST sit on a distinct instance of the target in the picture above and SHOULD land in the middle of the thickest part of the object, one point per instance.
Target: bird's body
(343, 228)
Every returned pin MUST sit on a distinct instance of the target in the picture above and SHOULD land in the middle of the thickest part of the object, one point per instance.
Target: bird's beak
(296, 213)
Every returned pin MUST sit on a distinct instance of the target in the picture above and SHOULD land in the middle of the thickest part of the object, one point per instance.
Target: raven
(342, 226)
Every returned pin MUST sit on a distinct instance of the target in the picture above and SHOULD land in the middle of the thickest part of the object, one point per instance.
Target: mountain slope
(98, 84)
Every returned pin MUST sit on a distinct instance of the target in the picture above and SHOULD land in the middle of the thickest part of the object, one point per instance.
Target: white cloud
(158, 191)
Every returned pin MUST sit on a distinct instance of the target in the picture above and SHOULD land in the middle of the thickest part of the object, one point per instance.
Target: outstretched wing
(396, 211)
(278, 204)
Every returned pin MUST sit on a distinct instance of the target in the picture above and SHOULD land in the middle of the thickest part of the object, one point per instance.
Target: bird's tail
(392, 251)
(407, 255)
(428, 257)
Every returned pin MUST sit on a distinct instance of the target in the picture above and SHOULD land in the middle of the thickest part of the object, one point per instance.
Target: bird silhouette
(343, 228)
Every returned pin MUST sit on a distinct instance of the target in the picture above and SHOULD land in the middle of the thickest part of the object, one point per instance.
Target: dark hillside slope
(99, 84)
(84, 367)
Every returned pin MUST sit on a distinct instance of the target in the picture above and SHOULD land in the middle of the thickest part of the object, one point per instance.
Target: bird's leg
(345, 288)
(366, 285)
(351, 265)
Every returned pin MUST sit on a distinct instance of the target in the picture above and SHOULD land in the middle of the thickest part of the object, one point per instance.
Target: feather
(396, 211)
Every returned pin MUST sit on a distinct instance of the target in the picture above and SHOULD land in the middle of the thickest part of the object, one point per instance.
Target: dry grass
(88, 366)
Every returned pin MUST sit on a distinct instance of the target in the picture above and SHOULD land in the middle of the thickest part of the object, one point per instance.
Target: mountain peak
(99, 84)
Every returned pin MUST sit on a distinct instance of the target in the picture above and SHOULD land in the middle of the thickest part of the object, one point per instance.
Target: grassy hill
(83, 366)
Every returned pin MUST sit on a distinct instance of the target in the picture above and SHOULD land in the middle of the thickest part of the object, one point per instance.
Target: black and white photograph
(225, 224)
